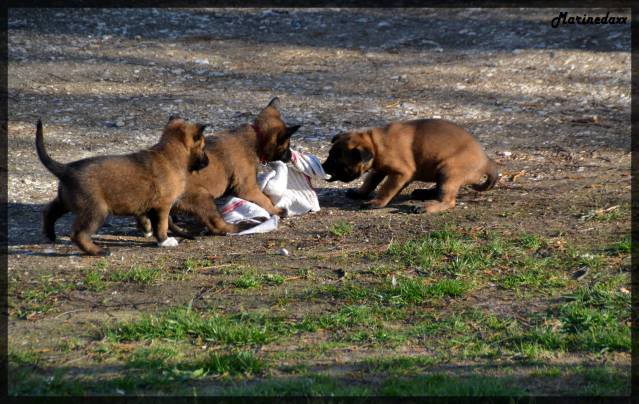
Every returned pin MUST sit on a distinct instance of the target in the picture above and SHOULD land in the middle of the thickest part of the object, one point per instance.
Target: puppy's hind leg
(448, 185)
(86, 224)
(178, 231)
(52, 212)
(202, 206)
(144, 225)
(214, 221)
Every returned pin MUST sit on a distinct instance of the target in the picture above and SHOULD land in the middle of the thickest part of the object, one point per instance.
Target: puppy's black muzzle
(200, 163)
(286, 157)
(337, 174)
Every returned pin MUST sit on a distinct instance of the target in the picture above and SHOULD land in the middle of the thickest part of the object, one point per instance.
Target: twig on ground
(68, 312)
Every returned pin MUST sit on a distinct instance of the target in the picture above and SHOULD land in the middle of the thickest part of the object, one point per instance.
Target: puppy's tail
(493, 176)
(56, 168)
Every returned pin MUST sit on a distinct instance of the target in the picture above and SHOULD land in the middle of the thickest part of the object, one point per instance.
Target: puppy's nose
(287, 156)
(204, 161)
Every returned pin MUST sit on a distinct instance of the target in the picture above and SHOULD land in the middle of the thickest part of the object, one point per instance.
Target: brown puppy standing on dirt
(233, 157)
(431, 150)
(144, 183)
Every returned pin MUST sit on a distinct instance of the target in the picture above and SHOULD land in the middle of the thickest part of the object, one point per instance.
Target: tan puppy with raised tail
(430, 150)
(144, 183)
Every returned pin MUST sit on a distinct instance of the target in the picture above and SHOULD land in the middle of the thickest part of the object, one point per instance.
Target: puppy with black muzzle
(234, 155)
(430, 150)
(144, 183)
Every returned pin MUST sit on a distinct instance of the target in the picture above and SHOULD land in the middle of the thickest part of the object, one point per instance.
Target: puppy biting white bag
(289, 188)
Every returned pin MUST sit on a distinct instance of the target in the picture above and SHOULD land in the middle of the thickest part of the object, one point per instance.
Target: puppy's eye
(197, 137)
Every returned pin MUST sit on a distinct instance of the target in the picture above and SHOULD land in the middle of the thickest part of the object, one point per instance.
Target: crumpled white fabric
(289, 187)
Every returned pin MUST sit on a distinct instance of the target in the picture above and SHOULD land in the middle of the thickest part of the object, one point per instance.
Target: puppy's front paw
(102, 252)
(355, 194)
(169, 242)
(373, 204)
(148, 234)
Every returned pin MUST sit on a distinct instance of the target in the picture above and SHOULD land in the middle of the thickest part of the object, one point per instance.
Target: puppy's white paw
(149, 234)
(169, 242)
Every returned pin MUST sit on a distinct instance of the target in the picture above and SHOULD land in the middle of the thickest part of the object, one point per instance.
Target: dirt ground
(551, 106)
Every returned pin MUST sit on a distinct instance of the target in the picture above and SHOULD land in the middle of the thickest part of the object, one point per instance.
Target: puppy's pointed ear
(174, 117)
(265, 112)
(201, 127)
(334, 139)
(364, 155)
(283, 136)
(275, 103)
(292, 129)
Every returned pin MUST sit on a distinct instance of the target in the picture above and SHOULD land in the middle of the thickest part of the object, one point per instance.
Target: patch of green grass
(39, 298)
(153, 357)
(251, 279)
(452, 325)
(23, 381)
(379, 335)
(101, 264)
(596, 318)
(406, 291)
(398, 365)
(191, 264)
(69, 344)
(160, 361)
(24, 357)
(47, 286)
(549, 371)
(272, 279)
(444, 385)
(183, 324)
(381, 270)
(592, 261)
(247, 281)
(341, 228)
(350, 291)
(415, 291)
(446, 251)
(530, 241)
(610, 216)
(94, 281)
(354, 323)
(621, 247)
(315, 385)
(604, 381)
(136, 274)
(531, 273)
(234, 269)
(242, 362)
(512, 263)
(347, 317)
(155, 368)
